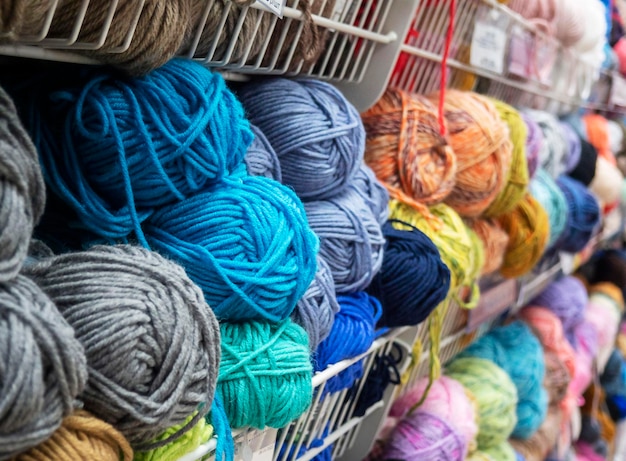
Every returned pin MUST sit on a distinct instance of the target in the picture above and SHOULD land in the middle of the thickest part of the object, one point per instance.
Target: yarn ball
(597, 130)
(517, 179)
(574, 148)
(479, 456)
(373, 192)
(245, 242)
(446, 399)
(537, 447)
(602, 313)
(316, 133)
(133, 145)
(22, 190)
(480, 140)
(557, 378)
(495, 395)
(613, 377)
(503, 451)
(413, 280)
(151, 341)
(81, 436)
(584, 214)
(534, 144)
(495, 241)
(261, 159)
(43, 367)
(610, 267)
(406, 150)
(422, 436)
(459, 251)
(553, 158)
(616, 136)
(528, 228)
(315, 311)
(586, 348)
(516, 350)
(351, 240)
(545, 190)
(607, 182)
(585, 170)
(265, 373)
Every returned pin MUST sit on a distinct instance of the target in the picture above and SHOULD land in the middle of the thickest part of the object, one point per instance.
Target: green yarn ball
(265, 373)
(501, 452)
(495, 394)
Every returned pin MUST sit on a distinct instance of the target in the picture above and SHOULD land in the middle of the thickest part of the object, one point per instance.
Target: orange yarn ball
(406, 151)
(494, 239)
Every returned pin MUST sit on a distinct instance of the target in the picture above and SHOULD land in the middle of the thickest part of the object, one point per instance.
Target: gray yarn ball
(261, 159)
(315, 312)
(152, 342)
(373, 192)
(22, 190)
(42, 367)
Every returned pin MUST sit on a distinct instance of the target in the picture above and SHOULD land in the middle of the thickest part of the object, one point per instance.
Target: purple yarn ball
(534, 144)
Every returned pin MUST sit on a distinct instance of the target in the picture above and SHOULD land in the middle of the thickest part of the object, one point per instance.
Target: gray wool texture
(152, 342)
(42, 367)
(22, 190)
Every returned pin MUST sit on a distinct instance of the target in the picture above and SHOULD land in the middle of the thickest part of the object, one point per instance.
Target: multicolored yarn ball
(584, 214)
(528, 228)
(406, 150)
(479, 456)
(611, 290)
(604, 314)
(607, 183)
(553, 156)
(494, 239)
(534, 144)
(265, 373)
(316, 133)
(557, 378)
(537, 447)
(574, 147)
(447, 399)
(585, 170)
(517, 179)
(480, 140)
(373, 192)
(502, 452)
(260, 158)
(495, 395)
(545, 190)
(351, 239)
(81, 436)
(586, 349)
(516, 350)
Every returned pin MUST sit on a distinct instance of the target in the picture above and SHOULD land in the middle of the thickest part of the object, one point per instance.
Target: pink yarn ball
(586, 337)
(604, 315)
(620, 51)
(585, 452)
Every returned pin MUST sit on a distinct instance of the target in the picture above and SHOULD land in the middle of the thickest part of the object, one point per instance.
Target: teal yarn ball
(495, 394)
(245, 242)
(265, 374)
(551, 197)
(516, 350)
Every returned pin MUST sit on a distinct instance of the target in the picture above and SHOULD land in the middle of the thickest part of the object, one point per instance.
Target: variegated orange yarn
(406, 151)
(598, 135)
(494, 240)
(480, 141)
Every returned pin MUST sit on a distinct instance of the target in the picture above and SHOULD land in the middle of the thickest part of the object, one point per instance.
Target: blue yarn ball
(413, 280)
(317, 134)
(373, 192)
(245, 242)
(261, 159)
(549, 195)
(516, 350)
(116, 148)
(584, 214)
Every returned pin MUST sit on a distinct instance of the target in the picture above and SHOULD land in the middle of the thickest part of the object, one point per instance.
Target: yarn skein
(43, 367)
(545, 190)
(22, 190)
(480, 140)
(495, 241)
(539, 445)
(245, 242)
(373, 192)
(584, 214)
(585, 170)
(534, 144)
(557, 378)
(265, 373)
(261, 159)
(152, 343)
(574, 147)
(413, 279)
(553, 156)
(351, 240)
(607, 183)
(316, 133)
(406, 150)
(502, 451)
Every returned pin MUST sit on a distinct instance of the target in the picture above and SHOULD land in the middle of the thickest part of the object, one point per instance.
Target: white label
(488, 47)
(274, 6)
(340, 11)
(256, 445)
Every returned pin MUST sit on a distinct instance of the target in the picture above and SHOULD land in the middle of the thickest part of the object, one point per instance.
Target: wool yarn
(261, 159)
(265, 373)
(373, 192)
(517, 179)
(552, 159)
(22, 190)
(43, 367)
(502, 451)
(351, 240)
(545, 190)
(447, 399)
(584, 214)
(151, 341)
(585, 170)
(406, 149)
(616, 136)
(607, 182)
(537, 447)
(528, 228)
(612, 377)
(132, 145)
(534, 144)
(316, 310)
(586, 347)
(557, 378)
(413, 279)
(480, 140)
(245, 242)
(479, 456)
(598, 134)
(574, 148)
(495, 241)
(602, 313)
(495, 395)
(22, 18)
(316, 133)
(81, 436)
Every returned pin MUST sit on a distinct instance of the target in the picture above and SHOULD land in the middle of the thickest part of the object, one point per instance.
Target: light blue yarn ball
(545, 190)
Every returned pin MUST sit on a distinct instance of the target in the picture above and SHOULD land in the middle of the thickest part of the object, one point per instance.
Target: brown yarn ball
(483, 149)
(81, 437)
(538, 446)
(22, 17)
(494, 239)
(406, 151)
(557, 377)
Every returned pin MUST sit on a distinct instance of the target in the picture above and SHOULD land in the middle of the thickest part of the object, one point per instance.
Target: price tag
(488, 47)
(256, 445)
(274, 6)
(492, 303)
(340, 11)
(521, 52)
(568, 262)
(618, 91)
